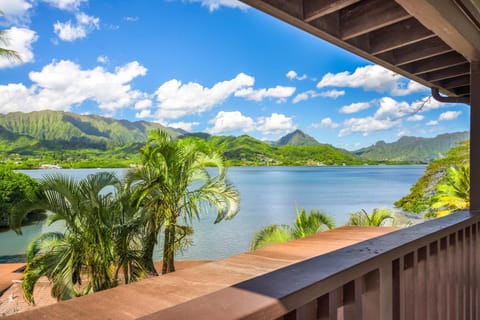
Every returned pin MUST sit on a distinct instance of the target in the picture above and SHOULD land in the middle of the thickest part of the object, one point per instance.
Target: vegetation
(378, 218)
(297, 138)
(305, 225)
(5, 41)
(453, 193)
(102, 235)
(413, 149)
(175, 186)
(422, 193)
(15, 188)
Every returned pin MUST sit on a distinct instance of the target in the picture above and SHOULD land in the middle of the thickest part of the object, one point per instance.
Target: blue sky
(216, 66)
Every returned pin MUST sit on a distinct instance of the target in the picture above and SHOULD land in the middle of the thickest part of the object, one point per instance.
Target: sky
(215, 66)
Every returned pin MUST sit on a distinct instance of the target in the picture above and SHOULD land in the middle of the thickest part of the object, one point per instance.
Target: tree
(378, 218)
(305, 225)
(175, 186)
(453, 193)
(100, 227)
(5, 41)
(15, 188)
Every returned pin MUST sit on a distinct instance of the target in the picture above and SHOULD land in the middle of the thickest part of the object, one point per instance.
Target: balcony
(428, 271)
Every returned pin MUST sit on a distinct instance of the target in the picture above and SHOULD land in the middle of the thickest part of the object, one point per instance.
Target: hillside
(413, 148)
(76, 130)
(297, 138)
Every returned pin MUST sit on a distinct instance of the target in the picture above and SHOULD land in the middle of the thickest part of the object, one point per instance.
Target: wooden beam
(394, 36)
(453, 83)
(314, 9)
(462, 91)
(417, 51)
(447, 73)
(369, 15)
(447, 20)
(435, 63)
(475, 137)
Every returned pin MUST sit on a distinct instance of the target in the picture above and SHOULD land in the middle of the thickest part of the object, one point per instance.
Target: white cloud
(187, 126)
(275, 124)
(334, 94)
(20, 40)
(62, 85)
(146, 113)
(143, 104)
(15, 12)
(366, 125)
(131, 18)
(449, 115)
(177, 99)
(432, 123)
(213, 5)
(326, 123)
(391, 109)
(278, 92)
(71, 32)
(301, 97)
(292, 75)
(102, 59)
(70, 5)
(416, 117)
(372, 78)
(231, 121)
(355, 107)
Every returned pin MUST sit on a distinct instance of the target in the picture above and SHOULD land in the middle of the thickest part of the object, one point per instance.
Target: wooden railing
(428, 271)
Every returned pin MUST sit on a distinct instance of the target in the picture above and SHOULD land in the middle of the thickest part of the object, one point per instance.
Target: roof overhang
(429, 41)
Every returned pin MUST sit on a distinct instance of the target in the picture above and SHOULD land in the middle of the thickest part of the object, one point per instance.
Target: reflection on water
(268, 195)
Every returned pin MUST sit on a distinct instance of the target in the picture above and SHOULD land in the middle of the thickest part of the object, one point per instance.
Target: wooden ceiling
(429, 41)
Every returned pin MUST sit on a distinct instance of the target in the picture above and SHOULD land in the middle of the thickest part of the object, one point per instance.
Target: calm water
(268, 195)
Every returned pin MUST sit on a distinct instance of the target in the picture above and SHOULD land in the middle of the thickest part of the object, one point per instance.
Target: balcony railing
(428, 271)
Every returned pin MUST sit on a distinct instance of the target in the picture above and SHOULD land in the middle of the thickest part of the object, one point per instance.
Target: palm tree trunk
(168, 249)
(148, 254)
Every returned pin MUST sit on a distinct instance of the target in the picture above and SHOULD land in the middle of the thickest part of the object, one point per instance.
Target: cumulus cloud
(292, 75)
(146, 113)
(70, 5)
(62, 85)
(20, 40)
(366, 125)
(231, 121)
(102, 59)
(416, 117)
(68, 31)
(15, 12)
(143, 104)
(213, 5)
(176, 99)
(334, 94)
(278, 92)
(432, 123)
(449, 115)
(275, 124)
(326, 123)
(355, 107)
(372, 78)
(187, 126)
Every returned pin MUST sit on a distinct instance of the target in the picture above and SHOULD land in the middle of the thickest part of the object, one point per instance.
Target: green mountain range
(297, 138)
(413, 149)
(71, 140)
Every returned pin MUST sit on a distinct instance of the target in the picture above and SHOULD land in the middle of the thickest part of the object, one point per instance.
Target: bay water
(269, 195)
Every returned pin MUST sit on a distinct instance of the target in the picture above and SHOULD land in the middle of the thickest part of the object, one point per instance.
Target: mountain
(69, 130)
(413, 148)
(297, 138)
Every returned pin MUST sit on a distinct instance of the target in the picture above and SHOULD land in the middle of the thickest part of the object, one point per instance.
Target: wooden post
(475, 135)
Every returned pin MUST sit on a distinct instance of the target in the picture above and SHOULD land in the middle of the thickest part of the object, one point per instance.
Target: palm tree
(378, 218)
(453, 194)
(99, 237)
(174, 185)
(7, 53)
(305, 225)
